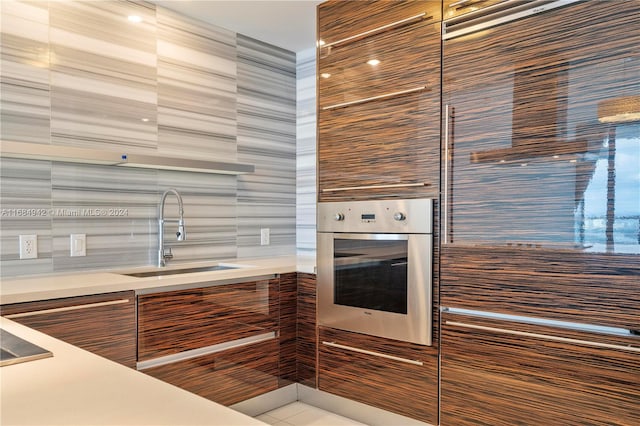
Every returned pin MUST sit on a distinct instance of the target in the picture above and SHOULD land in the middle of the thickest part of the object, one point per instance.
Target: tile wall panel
(103, 75)
(306, 192)
(195, 83)
(209, 203)
(114, 207)
(266, 138)
(196, 88)
(25, 203)
(24, 81)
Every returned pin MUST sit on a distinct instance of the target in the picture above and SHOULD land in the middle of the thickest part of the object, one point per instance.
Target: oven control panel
(383, 216)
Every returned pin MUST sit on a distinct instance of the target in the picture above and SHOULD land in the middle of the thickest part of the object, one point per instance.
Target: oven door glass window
(371, 274)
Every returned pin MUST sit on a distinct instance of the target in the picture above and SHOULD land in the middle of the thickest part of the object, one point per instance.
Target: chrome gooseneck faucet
(181, 235)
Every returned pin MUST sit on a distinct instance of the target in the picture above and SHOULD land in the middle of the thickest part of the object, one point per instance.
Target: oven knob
(399, 216)
(339, 217)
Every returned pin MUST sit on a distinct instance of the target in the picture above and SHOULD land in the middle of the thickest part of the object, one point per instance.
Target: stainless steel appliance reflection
(375, 268)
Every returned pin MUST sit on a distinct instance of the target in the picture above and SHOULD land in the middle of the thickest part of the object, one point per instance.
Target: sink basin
(162, 272)
(15, 350)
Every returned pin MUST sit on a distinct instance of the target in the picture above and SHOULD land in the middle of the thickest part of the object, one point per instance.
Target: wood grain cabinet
(455, 8)
(504, 373)
(225, 341)
(396, 376)
(104, 324)
(378, 124)
(539, 215)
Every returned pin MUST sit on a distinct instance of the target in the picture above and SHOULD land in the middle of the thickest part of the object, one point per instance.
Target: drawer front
(226, 377)
(103, 324)
(388, 379)
(505, 373)
(177, 321)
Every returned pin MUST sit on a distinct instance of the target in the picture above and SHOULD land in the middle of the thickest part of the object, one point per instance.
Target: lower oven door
(377, 284)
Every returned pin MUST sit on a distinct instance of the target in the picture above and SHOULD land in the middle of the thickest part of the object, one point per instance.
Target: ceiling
(290, 24)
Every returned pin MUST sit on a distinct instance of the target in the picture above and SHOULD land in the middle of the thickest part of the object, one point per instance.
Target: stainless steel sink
(162, 272)
(14, 350)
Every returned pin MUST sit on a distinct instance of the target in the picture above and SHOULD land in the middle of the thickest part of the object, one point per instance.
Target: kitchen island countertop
(76, 387)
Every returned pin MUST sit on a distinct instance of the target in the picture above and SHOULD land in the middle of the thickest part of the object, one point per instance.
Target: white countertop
(17, 290)
(76, 387)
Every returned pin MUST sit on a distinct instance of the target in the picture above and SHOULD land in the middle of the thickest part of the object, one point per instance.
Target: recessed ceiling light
(325, 75)
(144, 119)
(134, 18)
(373, 62)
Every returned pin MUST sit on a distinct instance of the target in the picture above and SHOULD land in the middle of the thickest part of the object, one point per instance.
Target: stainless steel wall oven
(375, 268)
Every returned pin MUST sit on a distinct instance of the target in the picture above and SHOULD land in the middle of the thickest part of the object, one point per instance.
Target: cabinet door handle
(545, 337)
(366, 352)
(377, 30)
(66, 309)
(374, 98)
(458, 3)
(445, 201)
(206, 350)
(395, 185)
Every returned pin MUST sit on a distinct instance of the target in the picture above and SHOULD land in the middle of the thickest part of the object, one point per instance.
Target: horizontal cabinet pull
(458, 3)
(496, 14)
(395, 185)
(207, 350)
(66, 309)
(545, 337)
(374, 98)
(377, 30)
(366, 352)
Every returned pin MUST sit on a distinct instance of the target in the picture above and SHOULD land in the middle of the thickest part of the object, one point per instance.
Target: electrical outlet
(28, 246)
(78, 245)
(264, 236)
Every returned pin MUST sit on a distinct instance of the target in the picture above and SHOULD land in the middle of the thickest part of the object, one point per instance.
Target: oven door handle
(378, 237)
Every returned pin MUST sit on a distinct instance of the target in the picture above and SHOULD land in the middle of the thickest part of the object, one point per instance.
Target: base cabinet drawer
(226, 377)
(388, 374)
(171, 322)
(104, 324)
(506, 373)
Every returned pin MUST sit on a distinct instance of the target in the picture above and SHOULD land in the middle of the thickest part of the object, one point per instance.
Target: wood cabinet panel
(400, 387)
(409, 59)
(338, 20)
(531, 160)
(306, 344)
(455, 8)
(287, 335)
(104, 324)
(176, 321)
(563, 285)
(508, 373)
(386, 142)
(226, 377)
(378, 125)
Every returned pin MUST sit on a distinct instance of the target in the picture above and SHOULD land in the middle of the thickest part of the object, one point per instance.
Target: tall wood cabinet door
(104, 324)
(539, 161)
(502, 373)
(378, 100)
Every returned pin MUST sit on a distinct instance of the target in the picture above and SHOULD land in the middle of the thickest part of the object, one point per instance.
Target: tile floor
(301, 414)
